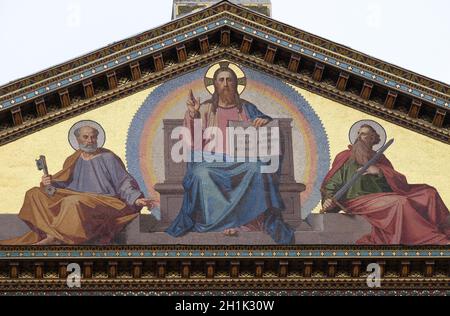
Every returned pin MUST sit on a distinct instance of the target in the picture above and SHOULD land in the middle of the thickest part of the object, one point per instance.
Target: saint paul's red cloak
(413, 214)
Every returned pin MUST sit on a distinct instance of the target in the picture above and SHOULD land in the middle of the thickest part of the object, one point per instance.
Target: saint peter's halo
(209, 83)
(101, 138)
(353, 133)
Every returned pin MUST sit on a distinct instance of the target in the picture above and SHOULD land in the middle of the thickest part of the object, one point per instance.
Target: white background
(35, 35)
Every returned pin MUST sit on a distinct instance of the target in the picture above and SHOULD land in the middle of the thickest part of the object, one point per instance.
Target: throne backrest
(174, 171)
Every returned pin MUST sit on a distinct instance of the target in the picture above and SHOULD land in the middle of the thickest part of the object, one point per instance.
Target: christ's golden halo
(209, 76)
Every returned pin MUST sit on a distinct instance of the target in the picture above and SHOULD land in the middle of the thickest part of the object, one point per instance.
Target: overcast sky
(35, 35)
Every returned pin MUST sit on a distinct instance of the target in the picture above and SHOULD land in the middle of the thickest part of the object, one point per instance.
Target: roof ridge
(222, 6)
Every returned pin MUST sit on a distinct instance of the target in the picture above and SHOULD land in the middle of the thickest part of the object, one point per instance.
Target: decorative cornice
(209, 293)
(218, 16)
(178, 286)
(199, 270)
(297, 79)
(223, 252)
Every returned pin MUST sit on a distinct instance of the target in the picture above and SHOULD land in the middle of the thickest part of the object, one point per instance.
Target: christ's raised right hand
(192, 103)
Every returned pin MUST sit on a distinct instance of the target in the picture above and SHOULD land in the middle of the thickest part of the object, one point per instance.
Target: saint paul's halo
(353, 133)
(209, 76)
(101, 138)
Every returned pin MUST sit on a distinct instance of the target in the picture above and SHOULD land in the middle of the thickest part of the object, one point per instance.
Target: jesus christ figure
(229, 196)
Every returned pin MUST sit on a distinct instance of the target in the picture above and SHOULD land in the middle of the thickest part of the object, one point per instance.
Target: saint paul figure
(399, 212)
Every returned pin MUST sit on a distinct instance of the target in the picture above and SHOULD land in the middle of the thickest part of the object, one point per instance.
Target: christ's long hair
(215, 97)
(363, 152)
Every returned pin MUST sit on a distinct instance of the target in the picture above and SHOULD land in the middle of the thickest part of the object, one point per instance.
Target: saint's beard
(362, 152)
(88, 148)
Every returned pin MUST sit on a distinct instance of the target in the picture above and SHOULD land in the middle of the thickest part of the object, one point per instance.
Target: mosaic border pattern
(253, 31)
(224, 254)
(264, 294)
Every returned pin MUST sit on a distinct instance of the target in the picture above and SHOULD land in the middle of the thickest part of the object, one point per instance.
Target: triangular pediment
(225, 30)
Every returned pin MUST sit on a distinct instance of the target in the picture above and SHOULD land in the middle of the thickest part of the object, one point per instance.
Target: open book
(246, 141)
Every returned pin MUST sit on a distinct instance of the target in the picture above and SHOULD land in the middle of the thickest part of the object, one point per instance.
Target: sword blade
(342, 191)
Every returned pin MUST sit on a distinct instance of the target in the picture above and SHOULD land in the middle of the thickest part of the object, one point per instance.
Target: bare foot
(231, 232)
(49, 240)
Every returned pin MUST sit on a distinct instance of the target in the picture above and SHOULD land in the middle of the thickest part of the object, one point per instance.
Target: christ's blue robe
(223, 195)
